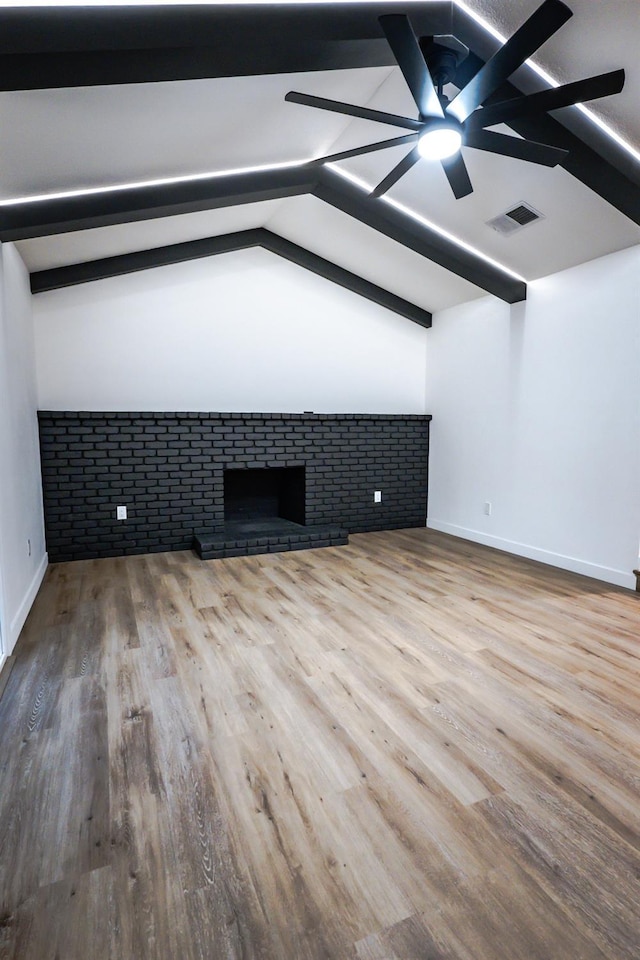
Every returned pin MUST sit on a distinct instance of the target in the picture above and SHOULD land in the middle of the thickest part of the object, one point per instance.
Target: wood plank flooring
(408, 748)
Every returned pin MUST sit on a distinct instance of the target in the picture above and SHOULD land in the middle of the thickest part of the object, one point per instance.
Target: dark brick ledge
(185, 415)
(213, 546)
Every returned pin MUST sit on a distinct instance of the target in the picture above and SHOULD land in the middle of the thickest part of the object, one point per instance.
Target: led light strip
(363, 185)
(164, 181)
(191, 3)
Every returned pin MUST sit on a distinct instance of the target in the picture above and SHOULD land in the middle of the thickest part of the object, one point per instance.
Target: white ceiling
(100, 136)
(70, 139)
(369, 254)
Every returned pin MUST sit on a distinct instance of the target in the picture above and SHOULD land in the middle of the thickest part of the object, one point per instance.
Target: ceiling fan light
(439, 142)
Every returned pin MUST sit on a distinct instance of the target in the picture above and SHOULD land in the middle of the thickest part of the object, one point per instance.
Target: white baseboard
(22, 613)
(609, 574)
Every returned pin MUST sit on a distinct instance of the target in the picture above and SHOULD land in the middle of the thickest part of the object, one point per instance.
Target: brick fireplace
(170, 471)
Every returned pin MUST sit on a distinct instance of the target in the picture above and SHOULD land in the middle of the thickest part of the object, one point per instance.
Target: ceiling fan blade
(578, 92)
(351, 110)
(406, 49)
(532, 34)
(515, 147)
(368, 148)
(398, 171)
(457, 175)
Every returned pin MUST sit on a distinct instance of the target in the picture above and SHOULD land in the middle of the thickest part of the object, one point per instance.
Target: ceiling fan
(444, 126)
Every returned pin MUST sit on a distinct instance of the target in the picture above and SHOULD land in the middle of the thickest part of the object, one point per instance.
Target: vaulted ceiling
(146, 100)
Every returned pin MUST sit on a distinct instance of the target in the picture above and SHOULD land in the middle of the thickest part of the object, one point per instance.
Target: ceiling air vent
(515, 219)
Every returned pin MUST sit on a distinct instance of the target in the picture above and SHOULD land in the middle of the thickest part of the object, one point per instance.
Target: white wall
(536, 409)
(245, 331)
(21, 519)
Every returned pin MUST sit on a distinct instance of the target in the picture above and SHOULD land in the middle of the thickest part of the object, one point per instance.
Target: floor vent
(515, 219)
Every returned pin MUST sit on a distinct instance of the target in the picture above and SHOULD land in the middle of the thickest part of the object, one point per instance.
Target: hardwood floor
(409, 748)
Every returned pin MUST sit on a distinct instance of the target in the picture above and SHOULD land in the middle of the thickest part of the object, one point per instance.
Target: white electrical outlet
(121, 513)
(487, 509)
(377, 496)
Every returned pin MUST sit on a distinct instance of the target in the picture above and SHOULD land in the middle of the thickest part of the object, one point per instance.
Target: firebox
(264, 494)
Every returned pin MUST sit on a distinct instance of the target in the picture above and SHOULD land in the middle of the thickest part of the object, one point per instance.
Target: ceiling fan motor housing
(443, 55)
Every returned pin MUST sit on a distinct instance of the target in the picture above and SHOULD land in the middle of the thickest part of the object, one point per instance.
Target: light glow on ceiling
(542, 73)
(162, 182)
(367, 187)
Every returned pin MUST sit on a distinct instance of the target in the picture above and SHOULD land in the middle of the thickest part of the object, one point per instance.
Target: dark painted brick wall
(167, 469)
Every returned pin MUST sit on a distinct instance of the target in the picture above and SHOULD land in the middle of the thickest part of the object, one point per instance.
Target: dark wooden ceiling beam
(66, 214)
(36, 71)
(73, 274)
(44, 48)
(56, 278)
(384, 218)
(59, 29)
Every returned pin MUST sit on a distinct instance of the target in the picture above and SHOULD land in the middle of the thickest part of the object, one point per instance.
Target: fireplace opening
(264, 496)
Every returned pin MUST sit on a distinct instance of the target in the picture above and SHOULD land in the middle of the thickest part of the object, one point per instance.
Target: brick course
(167, 469)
